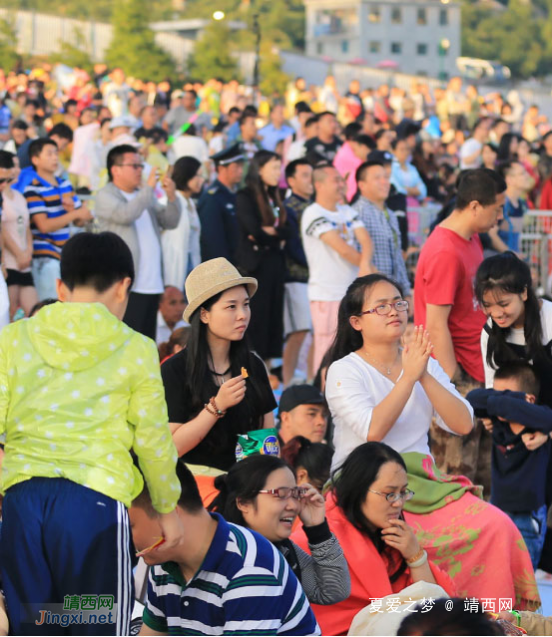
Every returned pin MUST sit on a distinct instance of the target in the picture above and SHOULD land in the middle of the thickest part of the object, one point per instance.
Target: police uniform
(217, 213)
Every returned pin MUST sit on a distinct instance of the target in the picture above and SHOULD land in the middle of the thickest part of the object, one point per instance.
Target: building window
(344, 46)
(396, 16)
(375, 47)
(335, 22)
(421, 49)
(422, 16)
(396, 47)
(374, 14)
(319, 48)
(443, 17)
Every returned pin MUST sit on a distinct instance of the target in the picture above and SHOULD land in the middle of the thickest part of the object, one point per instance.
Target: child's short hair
(95, 260)
(523, 372)
(189, 500)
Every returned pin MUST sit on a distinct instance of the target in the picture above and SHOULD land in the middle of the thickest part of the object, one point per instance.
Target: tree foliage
(273, 80)
(74, 55)
(133, 47)
(517, 37)
(8, 55)
(212, 56)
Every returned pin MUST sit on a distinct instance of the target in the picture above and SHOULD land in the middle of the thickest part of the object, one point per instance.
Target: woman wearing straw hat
(208, 399)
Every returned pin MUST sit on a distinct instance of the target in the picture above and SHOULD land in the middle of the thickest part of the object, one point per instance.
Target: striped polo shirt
(43, 197)
(244, 587)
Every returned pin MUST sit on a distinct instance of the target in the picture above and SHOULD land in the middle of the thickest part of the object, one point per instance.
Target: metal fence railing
(535, 245)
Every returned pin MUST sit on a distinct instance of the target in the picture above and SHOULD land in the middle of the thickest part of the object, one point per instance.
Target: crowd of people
(216, 355)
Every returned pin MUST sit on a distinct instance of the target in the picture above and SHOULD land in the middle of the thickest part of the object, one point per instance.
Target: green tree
(273, 81)
(502, 36)
(133, 47)
(75, 55)
(212, 56)
(8, 55)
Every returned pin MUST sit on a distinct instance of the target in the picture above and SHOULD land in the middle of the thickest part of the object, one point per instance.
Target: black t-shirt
(328, 151)
(218, 447)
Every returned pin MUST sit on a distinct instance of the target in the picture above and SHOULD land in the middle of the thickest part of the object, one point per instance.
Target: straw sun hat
(210, 278)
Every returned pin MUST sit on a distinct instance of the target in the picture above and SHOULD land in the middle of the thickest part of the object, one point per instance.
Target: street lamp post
(257, 32)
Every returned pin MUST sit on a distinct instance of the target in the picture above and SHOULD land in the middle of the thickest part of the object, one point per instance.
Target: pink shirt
(347, 163)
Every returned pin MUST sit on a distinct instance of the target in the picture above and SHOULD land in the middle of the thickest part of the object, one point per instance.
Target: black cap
(228, 155)
(300, 395)
(381, 156)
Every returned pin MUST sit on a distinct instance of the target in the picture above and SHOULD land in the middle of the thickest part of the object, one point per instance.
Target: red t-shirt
(445, 275)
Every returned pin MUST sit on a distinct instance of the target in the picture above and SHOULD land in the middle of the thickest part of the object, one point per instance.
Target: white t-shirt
(469, 147)
(517, 337)
(149, 278)
(329, 274)
(190, 146)
(15, 221)
(354, 388)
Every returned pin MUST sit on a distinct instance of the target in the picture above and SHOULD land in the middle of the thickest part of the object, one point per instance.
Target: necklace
(388, 370)
(220, 373)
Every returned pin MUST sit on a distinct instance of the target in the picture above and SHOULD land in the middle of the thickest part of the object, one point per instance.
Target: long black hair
(243, 482)
(347, 339)
(314, 457)
(508, 273)
(199, 379)
(265, 194)
(351, 483)
(184, 170)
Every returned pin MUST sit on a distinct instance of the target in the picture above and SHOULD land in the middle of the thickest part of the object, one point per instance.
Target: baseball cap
(300, 395)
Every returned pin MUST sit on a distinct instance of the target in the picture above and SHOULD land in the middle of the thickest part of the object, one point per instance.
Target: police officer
(216, 207)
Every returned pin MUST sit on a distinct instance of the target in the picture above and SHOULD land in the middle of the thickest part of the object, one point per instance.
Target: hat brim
(248, 281)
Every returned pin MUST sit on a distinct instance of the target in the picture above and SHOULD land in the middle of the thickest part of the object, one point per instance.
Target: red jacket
(369, 573)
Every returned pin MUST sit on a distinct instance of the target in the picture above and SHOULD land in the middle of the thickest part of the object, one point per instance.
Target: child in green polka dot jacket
(79, 390)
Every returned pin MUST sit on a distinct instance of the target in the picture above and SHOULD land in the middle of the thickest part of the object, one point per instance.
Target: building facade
(420, 37)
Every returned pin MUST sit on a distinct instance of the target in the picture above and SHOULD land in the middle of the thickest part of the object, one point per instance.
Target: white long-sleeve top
(354, 388)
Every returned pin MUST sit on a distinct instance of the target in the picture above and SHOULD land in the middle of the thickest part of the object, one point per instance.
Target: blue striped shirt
(44, 198)
(244, 587)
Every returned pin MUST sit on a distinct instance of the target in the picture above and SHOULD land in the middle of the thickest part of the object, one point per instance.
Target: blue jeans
(532, 527)
(45, 273)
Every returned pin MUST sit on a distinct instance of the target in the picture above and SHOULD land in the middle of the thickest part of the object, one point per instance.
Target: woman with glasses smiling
(378, 390)
(260, 492)
(364, 512)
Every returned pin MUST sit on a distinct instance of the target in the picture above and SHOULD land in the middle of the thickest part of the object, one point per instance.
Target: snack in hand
(244, 373)
(160, 541)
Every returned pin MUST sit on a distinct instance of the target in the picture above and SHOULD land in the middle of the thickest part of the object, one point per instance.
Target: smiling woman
(261, 493)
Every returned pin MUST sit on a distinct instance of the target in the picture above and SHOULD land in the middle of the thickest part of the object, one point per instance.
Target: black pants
(141, 313)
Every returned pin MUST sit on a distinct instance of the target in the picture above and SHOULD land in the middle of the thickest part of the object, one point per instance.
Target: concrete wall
(41, 34)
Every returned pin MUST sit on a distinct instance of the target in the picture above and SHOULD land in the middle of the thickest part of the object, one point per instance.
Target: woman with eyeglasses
(364, 511)
(379, 391)
(261, 493)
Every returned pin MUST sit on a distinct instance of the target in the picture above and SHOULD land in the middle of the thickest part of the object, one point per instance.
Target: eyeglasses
(135, 166)
(405, 495)
(4, 181)
(385, 308)
(284, 493)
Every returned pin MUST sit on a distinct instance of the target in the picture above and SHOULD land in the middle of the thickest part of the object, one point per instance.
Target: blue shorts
(62, 540)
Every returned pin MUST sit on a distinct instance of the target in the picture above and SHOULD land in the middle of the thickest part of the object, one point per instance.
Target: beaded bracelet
(420, 560)
(211, 408)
